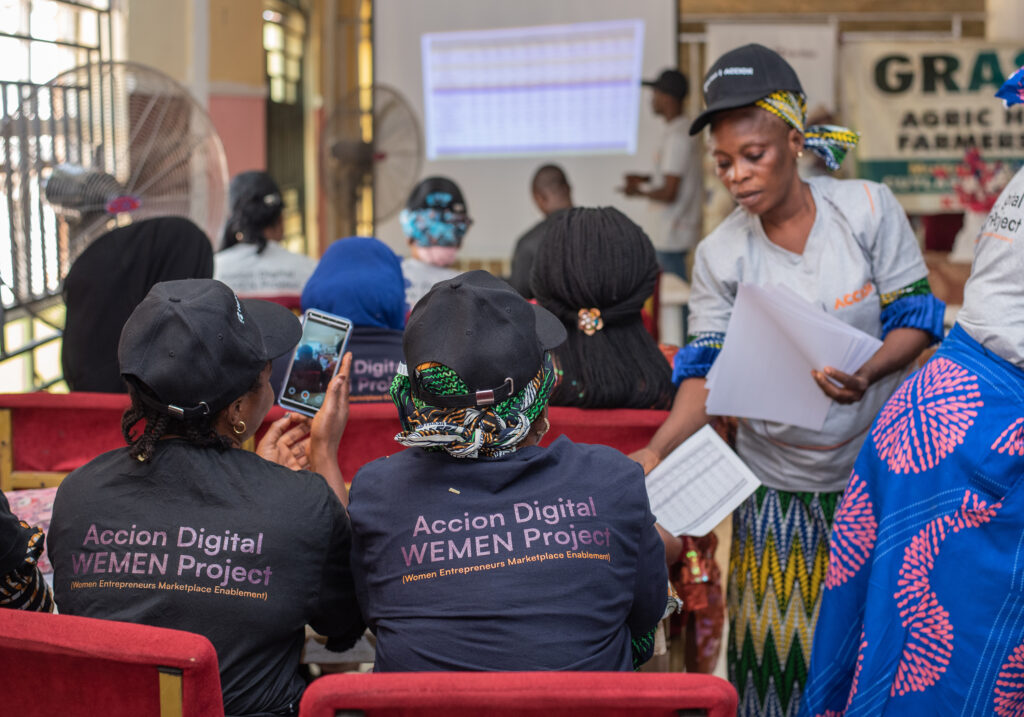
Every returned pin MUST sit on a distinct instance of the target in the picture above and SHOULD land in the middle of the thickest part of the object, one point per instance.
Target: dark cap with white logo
(198, 347)
(741, 77)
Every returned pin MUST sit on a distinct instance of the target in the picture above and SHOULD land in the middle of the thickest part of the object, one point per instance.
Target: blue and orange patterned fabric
(923, 611)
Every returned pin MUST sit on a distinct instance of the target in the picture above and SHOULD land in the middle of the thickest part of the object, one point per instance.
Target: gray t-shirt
(860, 246)
(275, 272)
(676, 225)
(420, 277)
(993, 312)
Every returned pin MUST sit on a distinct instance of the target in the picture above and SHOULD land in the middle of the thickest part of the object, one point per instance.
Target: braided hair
(256, 204)
(599, 259)
(142, 446)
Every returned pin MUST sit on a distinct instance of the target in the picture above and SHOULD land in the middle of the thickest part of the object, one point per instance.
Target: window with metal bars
(39, 39)
(284, 40)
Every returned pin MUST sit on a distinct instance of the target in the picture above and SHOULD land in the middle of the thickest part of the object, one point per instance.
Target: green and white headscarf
(489, 431)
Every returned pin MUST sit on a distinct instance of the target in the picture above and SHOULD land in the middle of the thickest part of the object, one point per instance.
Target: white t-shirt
(676, 225)
(275, 272)
(993, 312)
(861, 246)
(420, 277)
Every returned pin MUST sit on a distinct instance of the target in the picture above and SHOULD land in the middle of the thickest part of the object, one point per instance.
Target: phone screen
(316, 360)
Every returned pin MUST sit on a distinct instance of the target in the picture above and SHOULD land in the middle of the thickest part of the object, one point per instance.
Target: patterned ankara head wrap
(436, 214)
(828, 141)
(490, 431)
(479, 371)
(1012, 91)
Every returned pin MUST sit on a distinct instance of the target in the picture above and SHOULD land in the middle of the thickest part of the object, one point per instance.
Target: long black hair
(599, 259)
(256, 203)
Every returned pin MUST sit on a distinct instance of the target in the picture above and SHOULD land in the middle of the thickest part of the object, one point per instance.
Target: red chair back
(46, 435)
(293, 302)
(77, 666)
(501, 694)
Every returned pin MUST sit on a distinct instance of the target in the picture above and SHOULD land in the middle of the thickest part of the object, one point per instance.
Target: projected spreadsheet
(533, 90)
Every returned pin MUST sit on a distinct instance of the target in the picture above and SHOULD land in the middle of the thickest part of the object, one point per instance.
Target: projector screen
(490, 157)
(544, 90)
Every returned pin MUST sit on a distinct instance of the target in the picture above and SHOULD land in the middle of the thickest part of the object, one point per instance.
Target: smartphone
(316, 360)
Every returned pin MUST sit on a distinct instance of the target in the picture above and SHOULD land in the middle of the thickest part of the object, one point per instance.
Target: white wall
(497, 190)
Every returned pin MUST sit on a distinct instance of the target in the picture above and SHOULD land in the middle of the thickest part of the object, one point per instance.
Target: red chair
(292, 302)
(501, 694)
(77, 666)
(44, 436)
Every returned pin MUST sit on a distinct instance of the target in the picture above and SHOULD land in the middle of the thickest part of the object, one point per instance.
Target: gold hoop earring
(547, 427)
(239, 428)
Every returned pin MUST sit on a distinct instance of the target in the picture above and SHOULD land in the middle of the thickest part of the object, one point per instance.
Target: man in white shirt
(673, 188)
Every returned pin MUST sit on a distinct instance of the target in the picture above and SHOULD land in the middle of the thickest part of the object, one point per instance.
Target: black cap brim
(280, 328)
(550, 331)
(655, 85)
(730, 103)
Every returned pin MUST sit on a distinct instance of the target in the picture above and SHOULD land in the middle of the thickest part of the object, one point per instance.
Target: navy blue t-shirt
(218, 542)
(547, 559)
(376, 353)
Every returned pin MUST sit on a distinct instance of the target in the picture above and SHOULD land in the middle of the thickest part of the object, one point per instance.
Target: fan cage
(126, 122)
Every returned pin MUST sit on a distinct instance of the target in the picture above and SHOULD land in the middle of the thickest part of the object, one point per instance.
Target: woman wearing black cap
(843, 245)
(180, 529)
(500, 554)
(251, 259)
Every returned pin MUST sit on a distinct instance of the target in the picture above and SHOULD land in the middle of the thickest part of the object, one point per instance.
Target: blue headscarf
(359, 278)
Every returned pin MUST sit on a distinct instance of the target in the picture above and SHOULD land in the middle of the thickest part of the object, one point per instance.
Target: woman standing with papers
(845, 246)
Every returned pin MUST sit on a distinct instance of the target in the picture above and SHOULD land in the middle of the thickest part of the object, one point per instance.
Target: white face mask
(443, 256)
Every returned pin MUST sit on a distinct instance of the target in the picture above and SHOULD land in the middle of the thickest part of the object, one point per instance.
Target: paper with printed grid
(698, 485)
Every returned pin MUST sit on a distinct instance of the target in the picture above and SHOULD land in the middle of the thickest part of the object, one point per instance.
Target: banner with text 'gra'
(919, 106)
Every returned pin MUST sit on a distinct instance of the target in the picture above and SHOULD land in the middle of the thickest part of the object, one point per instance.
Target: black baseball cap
(741, 77)
(434, 188)
(481, 328)
(198, 347)
(253, 186)
(671, 82)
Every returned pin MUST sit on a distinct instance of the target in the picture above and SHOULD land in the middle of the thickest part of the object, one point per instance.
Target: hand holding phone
(327, 429)
(285, 442)
(316, 360)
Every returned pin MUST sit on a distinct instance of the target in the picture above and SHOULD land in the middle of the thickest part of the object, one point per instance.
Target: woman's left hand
(327, 429)
(852, 388)
(286, 442)
(329, 424)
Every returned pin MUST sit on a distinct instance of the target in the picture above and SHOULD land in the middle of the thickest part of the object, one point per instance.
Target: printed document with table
(698, 485)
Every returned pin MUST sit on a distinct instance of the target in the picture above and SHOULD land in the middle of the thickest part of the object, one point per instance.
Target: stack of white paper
(698, 485)
(774, 340)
